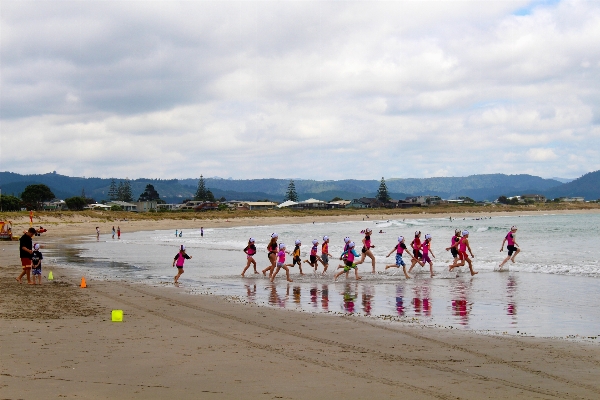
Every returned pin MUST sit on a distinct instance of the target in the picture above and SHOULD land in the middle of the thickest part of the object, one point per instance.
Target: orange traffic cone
(83, 285)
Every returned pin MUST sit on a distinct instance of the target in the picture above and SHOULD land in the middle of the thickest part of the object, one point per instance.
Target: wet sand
(58, 340)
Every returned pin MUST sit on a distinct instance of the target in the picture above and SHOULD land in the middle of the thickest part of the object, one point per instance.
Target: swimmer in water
(281, 263)
(272, 249)
(512, 247)
(366, 250)
(463, 246)
(399, 249)
(250, 251)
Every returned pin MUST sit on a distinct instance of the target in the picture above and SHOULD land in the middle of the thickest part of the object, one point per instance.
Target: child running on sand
(272, 249)
(454, 245)
(366, 250)
(180, 259)
(463, 245)
(351, 255)
(36, 264)
(513, 246)
(313, 255)
(399, 249)
(250, 251)
(325, 254)
(296, 256)
(281, 264)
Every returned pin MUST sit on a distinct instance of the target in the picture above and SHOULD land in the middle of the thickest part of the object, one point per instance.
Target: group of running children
(421, 251)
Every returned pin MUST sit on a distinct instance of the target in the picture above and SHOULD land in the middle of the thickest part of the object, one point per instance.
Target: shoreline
(172, 344)
(75, 224)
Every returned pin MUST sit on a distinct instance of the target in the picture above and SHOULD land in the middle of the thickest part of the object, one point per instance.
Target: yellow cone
(117, 315)
(50, 276)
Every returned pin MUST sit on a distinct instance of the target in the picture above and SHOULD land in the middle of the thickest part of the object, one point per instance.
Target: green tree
(335, 199)
(76, 203)
(149, 194)
(124, 191)
(210, 196)
(382, 193)
(112, 190)
(34, 195)
(10, 203)
(201, 193)
(291, 192)
(503, 200)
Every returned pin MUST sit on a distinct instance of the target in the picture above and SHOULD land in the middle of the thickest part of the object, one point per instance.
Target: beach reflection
(421, 300)
(350, 294)
(461, 307)
(275, 299)
(511, 289)
(400, 300)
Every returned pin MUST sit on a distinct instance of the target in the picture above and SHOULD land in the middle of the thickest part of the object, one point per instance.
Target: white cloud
(322, 90)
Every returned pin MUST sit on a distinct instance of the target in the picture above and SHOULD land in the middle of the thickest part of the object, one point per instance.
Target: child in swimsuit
(36, 264)
(463, 245)
(349, 263)
(281, 264)
(296, 256)
(325, 254)
(512, 247)
(313, 255)
(416, 245)
(366, 250)
(272, 249)
(399, 249)
(454, 245)
(250, 251)
(426, 248)
(180, 259)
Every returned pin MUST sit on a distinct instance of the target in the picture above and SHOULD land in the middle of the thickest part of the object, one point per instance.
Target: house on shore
(536, 198)
(123, 204)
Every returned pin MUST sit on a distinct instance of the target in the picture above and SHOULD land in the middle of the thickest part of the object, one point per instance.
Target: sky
(300, 89)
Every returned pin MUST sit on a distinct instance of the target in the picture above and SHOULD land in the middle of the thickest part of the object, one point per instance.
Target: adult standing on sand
(513, 246)
(118, 232)
(25, 253)
(113, 232)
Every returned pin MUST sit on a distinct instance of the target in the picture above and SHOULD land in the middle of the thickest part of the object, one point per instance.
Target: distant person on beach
(351, 255)
(366, 250)
(36, 264)
(25, 253)
(179, 260)
(399, 249)
(250, 251)
(463, 246)
(296, 256)
(118, 232)
(325, 254)
(98, 232)
(281, 264)
(176, 232)
(272, 254)
(113, 232)
(201, 231)
(181, 233)
(513, 246)
(454, 245)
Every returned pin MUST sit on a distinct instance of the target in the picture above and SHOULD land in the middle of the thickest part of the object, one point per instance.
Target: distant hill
(478, 187)
(587, 186)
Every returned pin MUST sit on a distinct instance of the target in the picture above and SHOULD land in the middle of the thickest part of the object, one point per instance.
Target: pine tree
(210, 196)
(127, 196)
(83, 196)
(291, 192)
(120, 194)
(112, 190)
(201, 194)
(149, 194)
(382, 192)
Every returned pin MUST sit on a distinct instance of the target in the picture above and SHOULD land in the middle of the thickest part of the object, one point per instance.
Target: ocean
(550, 291)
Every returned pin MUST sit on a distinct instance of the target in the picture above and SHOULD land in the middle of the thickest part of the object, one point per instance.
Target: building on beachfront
(400, 204)
(123, 204)
(338, 204)
(259, 205)
(97, 206)
(311, 204)
(572, 199)
(428, 200)
(168, 207)
(145, 206)
(536, 198)
(365, 202)
(54, 205)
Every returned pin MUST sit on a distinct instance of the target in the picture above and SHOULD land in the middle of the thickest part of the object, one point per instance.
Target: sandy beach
(58, 340)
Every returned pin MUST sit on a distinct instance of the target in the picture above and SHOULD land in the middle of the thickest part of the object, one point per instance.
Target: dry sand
(57, 340)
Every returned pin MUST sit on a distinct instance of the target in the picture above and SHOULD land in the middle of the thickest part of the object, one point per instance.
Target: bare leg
(504, 262)
(513, 257)
(287, 273)
(247, 266)
(405, 274)
(471, 268)
(272, 276)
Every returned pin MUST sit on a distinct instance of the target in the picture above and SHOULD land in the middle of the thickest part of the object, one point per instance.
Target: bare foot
(30, 283)
(289, 280)
(301, 273)
(407, 277)
(474, 273)
(264, 273)
(255, 271)
(18, 280)
(358, 278)
(512, 260)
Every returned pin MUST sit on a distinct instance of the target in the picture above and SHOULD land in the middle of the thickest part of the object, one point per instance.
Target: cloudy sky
(300, 89)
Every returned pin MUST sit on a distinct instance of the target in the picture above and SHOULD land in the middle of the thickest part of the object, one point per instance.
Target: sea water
(551, 290)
